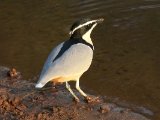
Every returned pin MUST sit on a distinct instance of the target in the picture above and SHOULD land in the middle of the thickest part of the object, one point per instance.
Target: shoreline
(20, 100)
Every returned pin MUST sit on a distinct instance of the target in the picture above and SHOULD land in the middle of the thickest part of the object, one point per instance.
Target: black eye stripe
(91, 24)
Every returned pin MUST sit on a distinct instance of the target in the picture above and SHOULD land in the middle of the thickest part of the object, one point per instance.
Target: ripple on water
(91, 7)
(100, 8)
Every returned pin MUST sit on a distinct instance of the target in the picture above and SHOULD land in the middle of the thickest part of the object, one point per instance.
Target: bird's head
(83, 27)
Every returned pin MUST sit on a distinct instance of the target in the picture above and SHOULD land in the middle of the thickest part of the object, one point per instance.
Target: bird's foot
(89, 99)
(76, 100)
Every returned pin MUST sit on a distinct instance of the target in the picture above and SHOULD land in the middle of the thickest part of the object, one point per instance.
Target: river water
(126, 62)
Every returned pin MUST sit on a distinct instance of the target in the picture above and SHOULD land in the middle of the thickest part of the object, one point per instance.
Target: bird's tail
(39, 85)
(44, 78)
(41, 82)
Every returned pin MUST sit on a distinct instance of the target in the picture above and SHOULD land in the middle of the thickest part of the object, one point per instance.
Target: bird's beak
(100, 20)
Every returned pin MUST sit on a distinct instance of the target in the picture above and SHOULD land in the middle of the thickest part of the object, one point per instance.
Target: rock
(12, 73)
(40, 116)
(1, 101)
(104, 108)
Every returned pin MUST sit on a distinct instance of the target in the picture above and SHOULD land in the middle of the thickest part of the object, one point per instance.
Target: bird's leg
(82, 93)
(79, 89)
(87, 98)
(70, 90)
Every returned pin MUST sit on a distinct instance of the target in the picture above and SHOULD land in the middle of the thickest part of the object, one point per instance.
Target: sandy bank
(20, 100)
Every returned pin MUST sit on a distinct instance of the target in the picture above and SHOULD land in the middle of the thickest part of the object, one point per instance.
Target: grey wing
(50, 58)
(76, 60)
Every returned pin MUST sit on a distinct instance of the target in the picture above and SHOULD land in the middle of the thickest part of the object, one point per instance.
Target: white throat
(87, 35)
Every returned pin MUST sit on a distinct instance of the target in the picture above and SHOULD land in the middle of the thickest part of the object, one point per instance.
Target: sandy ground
(20, 100)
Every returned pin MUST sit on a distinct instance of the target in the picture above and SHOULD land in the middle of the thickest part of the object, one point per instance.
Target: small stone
(6, 103)
(40, 116)
(21, 113)
(21, 107)
(16, 101)
(92, 99)
(83, 107)
(12, 73)
(4, 97)
(10, 99)
(55, 110)
(104, 108)
(1, 101)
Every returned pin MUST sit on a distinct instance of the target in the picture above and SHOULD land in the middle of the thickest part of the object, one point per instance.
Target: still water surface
(126, 62)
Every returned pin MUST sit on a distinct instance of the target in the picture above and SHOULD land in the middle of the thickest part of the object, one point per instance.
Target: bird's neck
(87, 37)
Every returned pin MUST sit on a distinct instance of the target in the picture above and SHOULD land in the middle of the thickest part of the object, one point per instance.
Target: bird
(71, 58)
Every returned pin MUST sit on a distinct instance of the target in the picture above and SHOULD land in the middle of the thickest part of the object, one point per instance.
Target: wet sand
(20, 100)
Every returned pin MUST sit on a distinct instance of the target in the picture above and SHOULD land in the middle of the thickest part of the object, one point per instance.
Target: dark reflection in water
(126, 61)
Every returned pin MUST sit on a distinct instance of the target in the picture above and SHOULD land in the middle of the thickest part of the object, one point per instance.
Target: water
(126, 60)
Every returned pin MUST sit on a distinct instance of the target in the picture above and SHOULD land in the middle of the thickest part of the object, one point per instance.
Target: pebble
(104, 108)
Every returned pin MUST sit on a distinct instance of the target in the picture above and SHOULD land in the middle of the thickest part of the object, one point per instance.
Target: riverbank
(20, 100)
